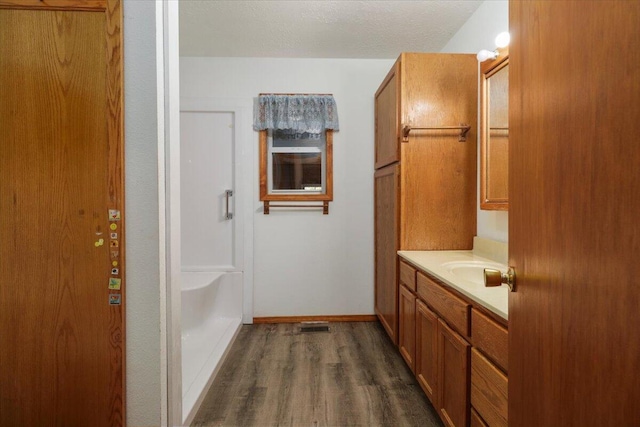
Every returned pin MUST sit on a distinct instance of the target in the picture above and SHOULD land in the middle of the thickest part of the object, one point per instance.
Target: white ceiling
(319, 29)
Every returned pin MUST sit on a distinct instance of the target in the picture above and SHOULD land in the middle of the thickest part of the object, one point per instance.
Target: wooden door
(574, 220)
(387, 142)
(386, 246)
(407, 327)
(61, 148)
(427, 350)
(453, 376)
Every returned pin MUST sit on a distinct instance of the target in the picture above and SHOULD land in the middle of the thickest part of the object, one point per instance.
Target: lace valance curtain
(295, 114)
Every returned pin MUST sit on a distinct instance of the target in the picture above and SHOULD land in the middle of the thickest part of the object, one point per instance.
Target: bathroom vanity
(453, 334)
(429, 286)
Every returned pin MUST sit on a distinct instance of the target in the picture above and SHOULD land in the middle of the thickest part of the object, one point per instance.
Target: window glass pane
(297, 171)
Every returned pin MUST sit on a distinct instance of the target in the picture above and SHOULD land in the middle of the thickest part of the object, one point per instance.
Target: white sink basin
(472, 271)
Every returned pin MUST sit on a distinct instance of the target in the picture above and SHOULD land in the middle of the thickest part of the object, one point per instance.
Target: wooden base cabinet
(427, 350)
(460, 355)
(442, 366)
(489, 363)
(453, 376)
(407, 314)
(488, 390)
(407, 330)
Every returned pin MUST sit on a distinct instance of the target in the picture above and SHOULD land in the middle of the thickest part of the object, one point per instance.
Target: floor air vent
(314, 327)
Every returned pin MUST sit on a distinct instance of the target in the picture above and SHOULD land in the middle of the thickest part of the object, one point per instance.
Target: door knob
(496, 278)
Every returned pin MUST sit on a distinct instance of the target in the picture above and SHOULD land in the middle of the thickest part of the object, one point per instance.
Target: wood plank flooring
(351, 376)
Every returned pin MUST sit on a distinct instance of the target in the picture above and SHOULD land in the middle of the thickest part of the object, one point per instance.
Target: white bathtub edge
(232, 334)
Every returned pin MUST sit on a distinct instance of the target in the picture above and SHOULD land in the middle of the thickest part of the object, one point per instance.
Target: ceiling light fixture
(484, 54)
(502, 41)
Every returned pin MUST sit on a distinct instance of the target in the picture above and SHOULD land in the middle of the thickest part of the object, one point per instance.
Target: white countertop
(493, 299)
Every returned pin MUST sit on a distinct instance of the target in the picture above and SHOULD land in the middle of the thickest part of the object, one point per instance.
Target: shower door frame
(244, 177)
(213, 190)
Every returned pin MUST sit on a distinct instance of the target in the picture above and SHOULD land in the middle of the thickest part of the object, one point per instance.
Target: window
(296, 167)
(296, 149)
(296, 163)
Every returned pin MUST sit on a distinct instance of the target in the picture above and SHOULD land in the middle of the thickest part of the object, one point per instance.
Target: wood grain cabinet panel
(386, 241)
(491, 338)
(438, 182)
(407, 326)
(408, 276)
(489, 390)
(453, 376)
(427, 351)
(453, 309)
(476, 420)
(387, 148)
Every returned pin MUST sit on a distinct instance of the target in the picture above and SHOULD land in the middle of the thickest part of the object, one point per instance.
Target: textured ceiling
(319, 29)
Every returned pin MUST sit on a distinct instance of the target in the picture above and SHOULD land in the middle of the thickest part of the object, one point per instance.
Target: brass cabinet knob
(496, 278)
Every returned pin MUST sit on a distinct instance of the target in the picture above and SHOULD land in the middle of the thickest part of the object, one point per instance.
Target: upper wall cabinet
(494, 133)
(426, 120)
(387, 119)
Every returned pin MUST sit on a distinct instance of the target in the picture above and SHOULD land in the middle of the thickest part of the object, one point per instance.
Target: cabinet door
(407, 329)
(386, 244)
(427, 350)
(453, 376)
(387, 119)
(438, 171)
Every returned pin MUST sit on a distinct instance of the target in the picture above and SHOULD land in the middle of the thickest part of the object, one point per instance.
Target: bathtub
(211, 319)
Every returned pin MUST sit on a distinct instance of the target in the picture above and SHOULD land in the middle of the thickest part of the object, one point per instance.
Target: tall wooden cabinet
(425, 179)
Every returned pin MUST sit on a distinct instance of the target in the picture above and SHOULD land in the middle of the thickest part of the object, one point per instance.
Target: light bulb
(503, 39)
(484, 54)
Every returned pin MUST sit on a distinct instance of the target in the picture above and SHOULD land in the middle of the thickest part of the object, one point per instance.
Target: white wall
(479, 32)
(306, 263)
(141, 210)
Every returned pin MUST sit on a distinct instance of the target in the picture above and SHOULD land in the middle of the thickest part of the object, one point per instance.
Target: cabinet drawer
(491, 338)
(488, 390)
(408, 276)
(452, 309)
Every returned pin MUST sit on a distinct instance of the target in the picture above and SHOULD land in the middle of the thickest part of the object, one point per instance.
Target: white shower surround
(213, 303)
(211, 319)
